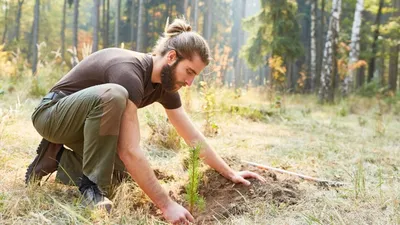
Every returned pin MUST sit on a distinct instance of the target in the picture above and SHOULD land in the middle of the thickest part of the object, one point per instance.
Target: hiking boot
(92, 196)
(45, 162)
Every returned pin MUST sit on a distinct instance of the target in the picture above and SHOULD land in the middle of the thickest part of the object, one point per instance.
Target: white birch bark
(354, 47)
(326, 89)
(313, 46)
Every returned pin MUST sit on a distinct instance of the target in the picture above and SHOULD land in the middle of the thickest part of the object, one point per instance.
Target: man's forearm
(140, 170)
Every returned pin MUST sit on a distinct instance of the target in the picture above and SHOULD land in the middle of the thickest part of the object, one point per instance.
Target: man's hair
(179, 36)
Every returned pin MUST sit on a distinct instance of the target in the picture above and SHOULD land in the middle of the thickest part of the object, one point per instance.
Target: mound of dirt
(224, 198)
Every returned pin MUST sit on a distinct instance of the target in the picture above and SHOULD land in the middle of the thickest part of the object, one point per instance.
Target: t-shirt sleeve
(170, 100)
(125, 75)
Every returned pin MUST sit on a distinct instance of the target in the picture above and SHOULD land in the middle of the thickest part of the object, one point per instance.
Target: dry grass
(336, 142)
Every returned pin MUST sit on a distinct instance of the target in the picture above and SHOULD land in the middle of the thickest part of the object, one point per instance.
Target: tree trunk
(240, 35)
(195, 6)
(371, 65)
(117, 20)
(181, 7)
(393, 67)
(6, 8)
(207, 26)
(313, 64)
(35, 36)
(320, 44)
(96, 25)
(361, 77)
(63, 30)
(354, 48)
(326, 92)
(18, 19)
(106, 22)
(140, 32)
(132, 18)
(75, 33)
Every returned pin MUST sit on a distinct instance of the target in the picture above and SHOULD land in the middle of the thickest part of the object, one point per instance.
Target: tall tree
(35, 36)
(320, 41)
(132, 19)
(354, 48)
(18, 19)
(140, 32)
(207, 25)
(273, 31)
(75, 33)
(96, 25)
(6, 8)
(117, 23)
(393, 67)
(63, 30)
(394, 34)
(371, 64)
(106, 22)
(328, 73)
(313, 61)
(195, 5)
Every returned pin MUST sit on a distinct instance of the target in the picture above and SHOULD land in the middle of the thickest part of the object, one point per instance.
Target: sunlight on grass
(336, 142)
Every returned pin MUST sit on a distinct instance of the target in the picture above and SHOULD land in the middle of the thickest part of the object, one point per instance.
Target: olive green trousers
(87, 123)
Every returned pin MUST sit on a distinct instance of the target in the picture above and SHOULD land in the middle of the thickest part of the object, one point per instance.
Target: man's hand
(240, 177)
(176, 214)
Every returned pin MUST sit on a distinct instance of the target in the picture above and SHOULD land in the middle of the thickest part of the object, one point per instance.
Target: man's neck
(158, 63)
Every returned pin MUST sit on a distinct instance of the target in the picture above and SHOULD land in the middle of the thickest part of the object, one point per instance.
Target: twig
(305, 177)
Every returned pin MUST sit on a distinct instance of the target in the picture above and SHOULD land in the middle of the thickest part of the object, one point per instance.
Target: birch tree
(326, 92)
(313, 64)
(354, 48)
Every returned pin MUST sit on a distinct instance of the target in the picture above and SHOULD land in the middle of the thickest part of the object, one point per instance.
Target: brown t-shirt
(130, 69)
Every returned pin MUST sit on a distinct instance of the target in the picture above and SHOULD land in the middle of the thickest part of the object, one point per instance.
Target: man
(93, 111)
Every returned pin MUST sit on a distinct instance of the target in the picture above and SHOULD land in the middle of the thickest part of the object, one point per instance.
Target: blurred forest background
(328, 47)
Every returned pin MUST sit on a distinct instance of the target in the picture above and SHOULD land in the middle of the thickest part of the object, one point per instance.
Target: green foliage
(252, 113)
(274, 30)
(209, 108)
(192, 188)
(370, 89)
(163, 134)
(359, 180)
(37, 88)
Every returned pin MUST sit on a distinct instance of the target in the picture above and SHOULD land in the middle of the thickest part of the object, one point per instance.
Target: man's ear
(171, 57)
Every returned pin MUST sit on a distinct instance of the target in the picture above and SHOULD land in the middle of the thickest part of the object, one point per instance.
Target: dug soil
(224, 199)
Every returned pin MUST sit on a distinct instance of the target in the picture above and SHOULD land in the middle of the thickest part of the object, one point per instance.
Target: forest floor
(355, 141)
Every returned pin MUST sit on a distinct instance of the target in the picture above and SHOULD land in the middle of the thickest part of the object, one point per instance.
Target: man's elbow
(127, 155)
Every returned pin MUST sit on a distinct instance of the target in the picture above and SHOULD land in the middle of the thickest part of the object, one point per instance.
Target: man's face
(180, 73)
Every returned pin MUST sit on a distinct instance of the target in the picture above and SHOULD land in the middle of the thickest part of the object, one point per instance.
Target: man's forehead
(195, 64)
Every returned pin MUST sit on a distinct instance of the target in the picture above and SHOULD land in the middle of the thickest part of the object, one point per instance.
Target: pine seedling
(192, 188)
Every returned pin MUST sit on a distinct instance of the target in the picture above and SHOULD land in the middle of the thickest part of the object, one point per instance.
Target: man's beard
(168, 77)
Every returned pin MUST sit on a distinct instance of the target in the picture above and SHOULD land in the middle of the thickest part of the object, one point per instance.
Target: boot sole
(29, 175)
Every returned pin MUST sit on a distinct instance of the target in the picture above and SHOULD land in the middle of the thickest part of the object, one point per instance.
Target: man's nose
(189, 81)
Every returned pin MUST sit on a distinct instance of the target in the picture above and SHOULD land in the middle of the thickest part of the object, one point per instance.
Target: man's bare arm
(139, 168)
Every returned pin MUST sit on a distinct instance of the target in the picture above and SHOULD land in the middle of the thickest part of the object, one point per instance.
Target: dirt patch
(224, 198)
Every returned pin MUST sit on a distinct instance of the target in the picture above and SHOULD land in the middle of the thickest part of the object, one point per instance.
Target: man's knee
(115, 95)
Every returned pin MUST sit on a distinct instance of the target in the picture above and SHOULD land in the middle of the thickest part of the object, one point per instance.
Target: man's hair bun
(177, 27)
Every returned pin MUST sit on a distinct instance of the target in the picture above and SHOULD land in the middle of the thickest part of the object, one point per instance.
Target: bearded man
(90, 126)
